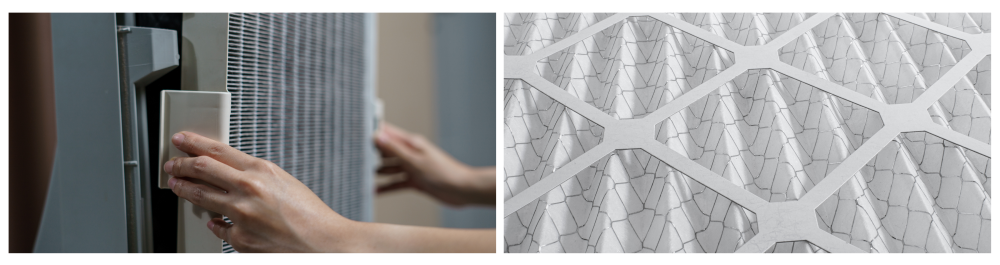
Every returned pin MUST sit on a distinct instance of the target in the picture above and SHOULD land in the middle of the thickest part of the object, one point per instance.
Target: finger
(199, 194)
(396, 146)
(416, 142)
(394, 186)
(381, 137)
(390, 161)
(193, 143)
(397, 134)
(386, 155)
(204, 168)
(390, 170)
(220, 228)
(393, 130)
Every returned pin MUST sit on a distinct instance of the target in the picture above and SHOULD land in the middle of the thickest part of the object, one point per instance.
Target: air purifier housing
(302, 96)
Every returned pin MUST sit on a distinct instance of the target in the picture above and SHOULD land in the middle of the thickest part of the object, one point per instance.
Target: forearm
(480, 188)
(379, 237)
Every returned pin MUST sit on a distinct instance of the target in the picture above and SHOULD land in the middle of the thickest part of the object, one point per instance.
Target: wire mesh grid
(296, 81)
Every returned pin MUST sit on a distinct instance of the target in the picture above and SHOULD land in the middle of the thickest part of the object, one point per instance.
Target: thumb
(220, 228)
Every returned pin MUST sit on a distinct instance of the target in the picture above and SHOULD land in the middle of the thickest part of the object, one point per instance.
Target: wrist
(481, 185)
(345, 236)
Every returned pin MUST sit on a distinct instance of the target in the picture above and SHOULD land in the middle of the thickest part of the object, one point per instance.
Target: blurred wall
(406, 86)
(436, 77)
(466, 76)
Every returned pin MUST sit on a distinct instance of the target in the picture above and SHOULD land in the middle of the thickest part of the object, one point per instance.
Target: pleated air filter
(299, 100)
(747, 133)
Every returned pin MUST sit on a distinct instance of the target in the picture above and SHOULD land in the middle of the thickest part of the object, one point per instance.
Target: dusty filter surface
(708, 132)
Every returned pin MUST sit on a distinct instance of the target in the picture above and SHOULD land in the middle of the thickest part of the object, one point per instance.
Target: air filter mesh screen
(298, 100)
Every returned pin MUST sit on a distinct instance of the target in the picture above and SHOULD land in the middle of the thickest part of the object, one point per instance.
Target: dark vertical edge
(162, 202)
(32, 98)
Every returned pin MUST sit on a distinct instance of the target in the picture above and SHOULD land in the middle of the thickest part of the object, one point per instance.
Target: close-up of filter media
(298, 101)
(747, 132)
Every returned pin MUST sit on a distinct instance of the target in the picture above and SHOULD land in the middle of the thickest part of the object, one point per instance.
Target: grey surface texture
(465, 61)
(145, 55)
(85, 209)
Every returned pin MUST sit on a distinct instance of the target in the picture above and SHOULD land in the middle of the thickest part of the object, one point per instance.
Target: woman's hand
(271, 210)
(431, 170)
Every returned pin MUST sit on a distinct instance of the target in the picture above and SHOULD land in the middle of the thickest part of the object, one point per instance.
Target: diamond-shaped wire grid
(799, 246)
(634, 67)
(526, 33)
(770, 134)
(745, 28)
(540, 135)
(629, 201)
(919, 194)
(919, 184)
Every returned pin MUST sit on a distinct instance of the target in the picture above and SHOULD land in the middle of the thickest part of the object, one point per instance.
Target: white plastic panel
(201, 112)
(207, 114)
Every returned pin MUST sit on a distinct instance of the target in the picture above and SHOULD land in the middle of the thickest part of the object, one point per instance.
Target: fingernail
(168, 166)
(211, 224)
(178, 138)
(171, 182)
